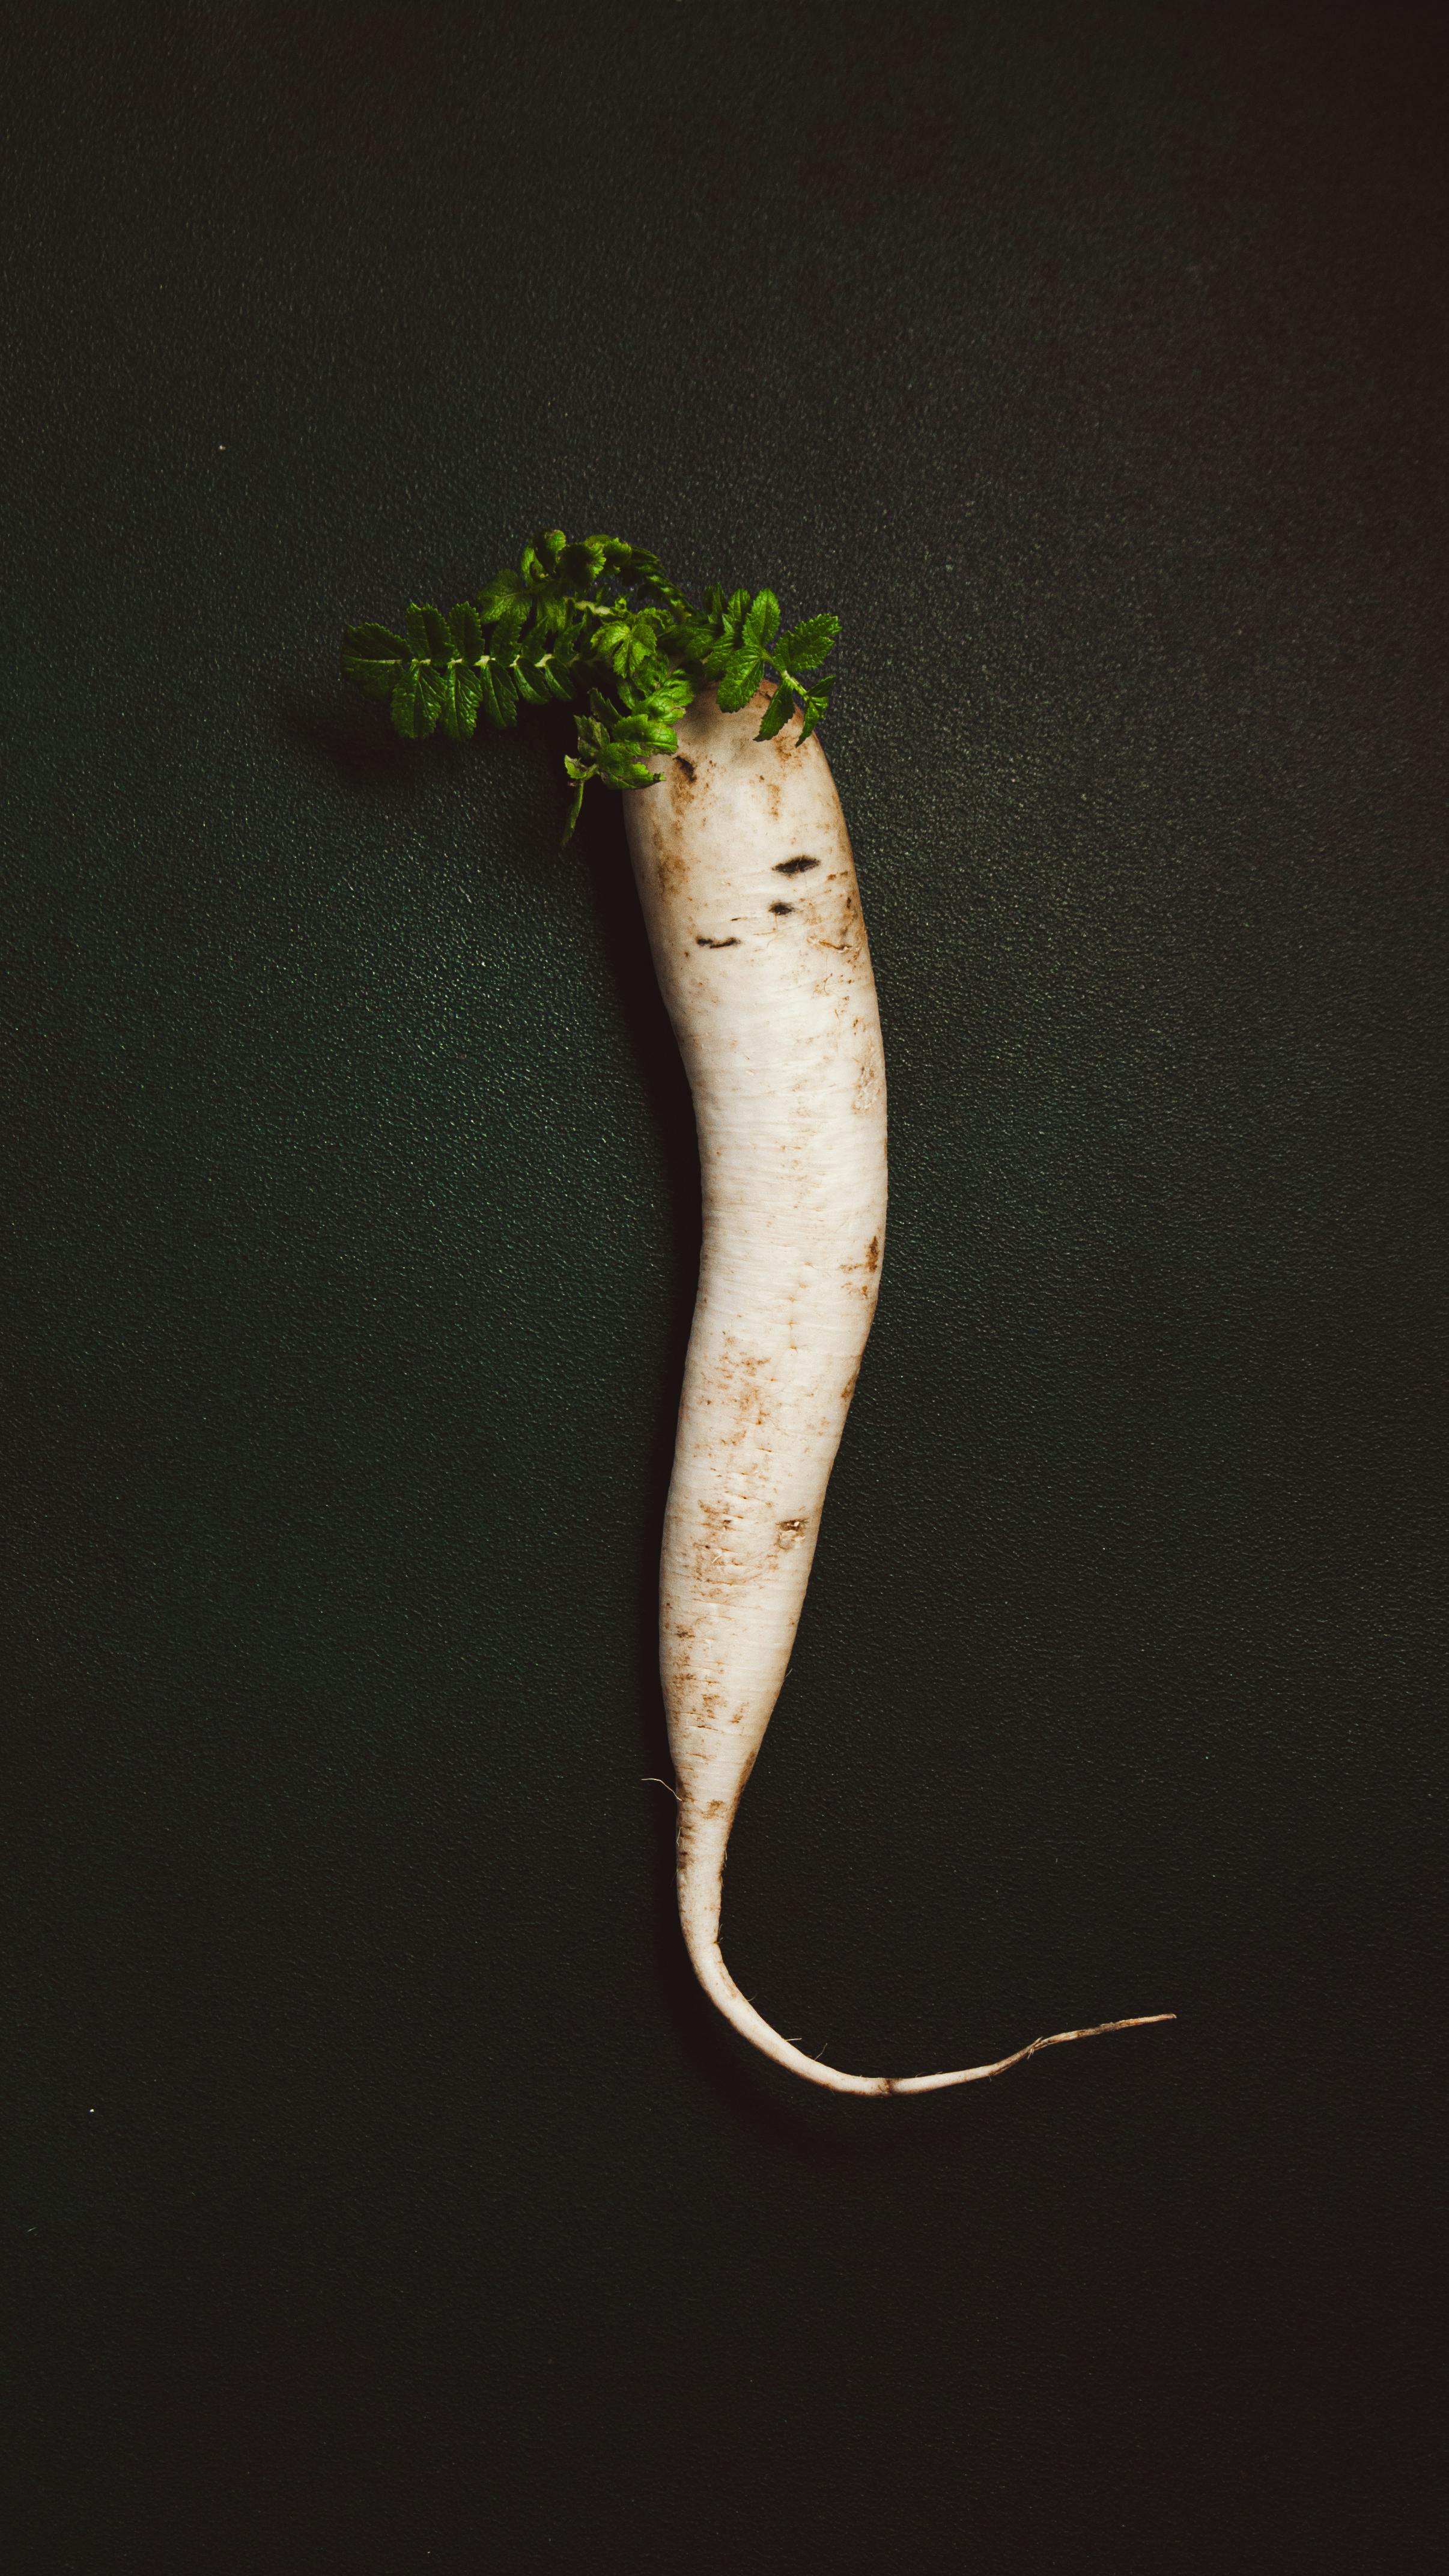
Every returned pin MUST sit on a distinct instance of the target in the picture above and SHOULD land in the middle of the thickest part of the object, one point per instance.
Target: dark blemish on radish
(872, 1253)
(794, 867)
(702, 942)
(686, 765)
(782, 907)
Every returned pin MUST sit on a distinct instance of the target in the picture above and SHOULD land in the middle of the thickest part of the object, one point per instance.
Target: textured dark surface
(383, 2197)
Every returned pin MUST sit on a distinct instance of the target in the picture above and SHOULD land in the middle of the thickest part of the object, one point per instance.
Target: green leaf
(815, 706)
(805, 647)
(762, 620)
(466, 631)
(528, 684)
(736, 611)
(496, 595)
(691, 640)
(500, 698)
(653, 731)
(776, 713)
(574, 810)
(618, 767)
(462, 686)
(373, 657)
(428, 634)
(743, 673)
(556, 679)
(505, 637)
(415, 702)
(581, 563)
(540, 556)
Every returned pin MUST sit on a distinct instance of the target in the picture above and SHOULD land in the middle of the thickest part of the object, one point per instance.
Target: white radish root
(749, 891)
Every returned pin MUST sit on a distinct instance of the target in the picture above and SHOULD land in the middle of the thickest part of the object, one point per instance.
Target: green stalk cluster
(597, 616)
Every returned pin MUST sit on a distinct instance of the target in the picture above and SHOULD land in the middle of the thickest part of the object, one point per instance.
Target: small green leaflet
(777, 713)
(500, 698)
(805, 647)
(742, 676)
(815, 706)
(761, 620)
(461, 687)
(416, 702)
(373, 657)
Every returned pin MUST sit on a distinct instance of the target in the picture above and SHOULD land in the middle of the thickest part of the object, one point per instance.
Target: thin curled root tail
(702, 1843)
(722, 1991)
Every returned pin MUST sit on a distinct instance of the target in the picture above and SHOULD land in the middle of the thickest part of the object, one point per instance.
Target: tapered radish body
(749, 892)
(748, 887)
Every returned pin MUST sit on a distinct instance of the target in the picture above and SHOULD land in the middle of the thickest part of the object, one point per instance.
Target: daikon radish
(749, 892)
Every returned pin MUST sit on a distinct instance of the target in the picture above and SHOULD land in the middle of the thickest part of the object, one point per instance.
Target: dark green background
(383, 2196)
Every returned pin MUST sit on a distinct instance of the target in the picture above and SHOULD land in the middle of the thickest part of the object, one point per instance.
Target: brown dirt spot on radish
(687, 766)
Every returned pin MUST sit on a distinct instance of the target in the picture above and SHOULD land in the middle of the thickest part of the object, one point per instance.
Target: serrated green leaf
(805, 647)
(461, 689)
(654, 731)
(691, 639)
(743, 673)
(495, 595)
(466, 631)
(619, 767)
(762, 620)
(736, 610)
(776, 713)
(526, 681)
(815, 706)
(375, 642)
(500, 698)
(504, 641)
(428, 633)
(373, 658)
(415, 702)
